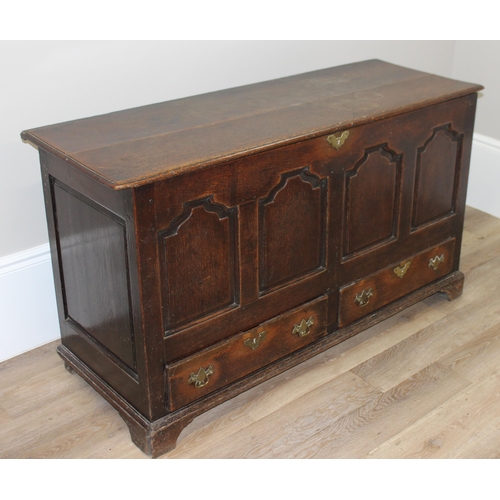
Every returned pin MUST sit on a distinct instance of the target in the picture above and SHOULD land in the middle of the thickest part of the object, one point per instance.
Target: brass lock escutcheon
(364, 297)
(200, 379)
(337, 142)
(436, 261)
(254, 343)
(303, 328)
(401, 271)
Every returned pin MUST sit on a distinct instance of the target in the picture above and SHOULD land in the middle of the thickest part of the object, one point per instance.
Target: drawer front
(198, 375)
(372, 293)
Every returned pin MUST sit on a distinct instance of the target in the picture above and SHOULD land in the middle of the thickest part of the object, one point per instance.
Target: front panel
(372, 200)
(292, 229)
(400, 187)
(436, 176)
(242, 243)
(199, 263)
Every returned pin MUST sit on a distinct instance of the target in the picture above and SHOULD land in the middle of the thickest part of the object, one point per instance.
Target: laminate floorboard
(424, 383)
(444, 431)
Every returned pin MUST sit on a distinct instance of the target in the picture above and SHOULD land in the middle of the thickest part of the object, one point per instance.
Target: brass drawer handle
(364, 297)
(303, 328)
(200, 379)
(435, 261)
(337, 142)
(401, 271)
(254, 343)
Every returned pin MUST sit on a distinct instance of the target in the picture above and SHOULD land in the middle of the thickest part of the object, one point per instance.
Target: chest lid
(136, 146)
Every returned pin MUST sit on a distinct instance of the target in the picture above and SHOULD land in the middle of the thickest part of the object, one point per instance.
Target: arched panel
(436, 180)
(199, 263)
(292, 229)
(372, 200)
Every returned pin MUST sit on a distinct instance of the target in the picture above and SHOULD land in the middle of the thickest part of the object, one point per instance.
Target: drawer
(227, 361)
(372, 293)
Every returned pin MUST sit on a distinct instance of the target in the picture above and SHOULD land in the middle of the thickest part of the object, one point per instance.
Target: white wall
(28, 314)
(478, 61)
(50, 82)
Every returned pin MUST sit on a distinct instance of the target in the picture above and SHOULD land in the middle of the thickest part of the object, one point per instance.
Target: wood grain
(443, 431)
(157, 141)
(280, 434)
(422, 384)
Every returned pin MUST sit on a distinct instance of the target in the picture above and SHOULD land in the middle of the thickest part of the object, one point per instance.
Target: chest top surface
(141, 145)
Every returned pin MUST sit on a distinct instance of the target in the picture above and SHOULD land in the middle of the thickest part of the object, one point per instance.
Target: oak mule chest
(201, 246)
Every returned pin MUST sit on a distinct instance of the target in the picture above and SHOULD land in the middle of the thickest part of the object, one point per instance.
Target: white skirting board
(28, 312)
(27, 299)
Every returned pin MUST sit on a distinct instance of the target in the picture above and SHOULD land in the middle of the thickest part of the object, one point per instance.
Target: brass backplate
(337, 142)
(436, 261)
(364, 297)
(255, 342)
(303, 328)
(200, 379)
(401, 271)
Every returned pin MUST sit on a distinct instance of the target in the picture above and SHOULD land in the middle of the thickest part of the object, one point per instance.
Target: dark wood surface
(436, 188)
(199, 263)
(282, 252)
(93, 249)
(413, 203)
(141, 145)
(292, 242)
(167, 259)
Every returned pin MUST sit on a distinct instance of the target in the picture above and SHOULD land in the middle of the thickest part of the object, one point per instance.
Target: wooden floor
(423, 384)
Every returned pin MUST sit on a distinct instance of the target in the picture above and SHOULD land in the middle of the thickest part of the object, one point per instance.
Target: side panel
(95, 275)
(92, 241)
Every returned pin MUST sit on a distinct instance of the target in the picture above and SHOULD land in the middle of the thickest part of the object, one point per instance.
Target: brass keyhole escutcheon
(200, 379)
(255, 342)
(401, 271)
(436, 261)
(364, 297)
(337, 142)
(303, 328)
